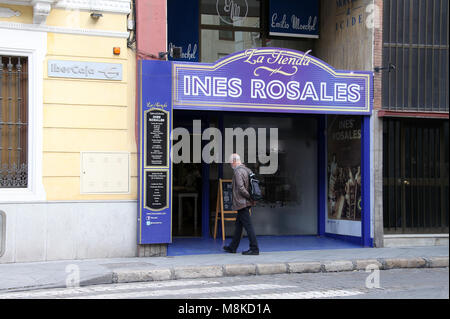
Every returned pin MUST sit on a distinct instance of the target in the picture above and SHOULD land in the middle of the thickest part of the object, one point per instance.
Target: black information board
(156, 190)
(227, 195)
(157, 138)
(224, 205)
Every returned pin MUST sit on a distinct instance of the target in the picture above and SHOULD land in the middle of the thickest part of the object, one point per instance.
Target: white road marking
(298, 295)
(103, 288)
(182, 292)
(156, 289)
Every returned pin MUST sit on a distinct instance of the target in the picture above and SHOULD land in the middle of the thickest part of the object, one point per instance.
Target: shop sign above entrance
(271, 80)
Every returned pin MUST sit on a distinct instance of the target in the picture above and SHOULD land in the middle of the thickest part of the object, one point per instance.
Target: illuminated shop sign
(272, 80)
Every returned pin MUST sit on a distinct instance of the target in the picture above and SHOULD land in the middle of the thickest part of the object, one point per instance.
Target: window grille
(415, 176)
(13, 122)
(415, 40)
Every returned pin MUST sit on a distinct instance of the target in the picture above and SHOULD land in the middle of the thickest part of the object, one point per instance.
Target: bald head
(235, 160)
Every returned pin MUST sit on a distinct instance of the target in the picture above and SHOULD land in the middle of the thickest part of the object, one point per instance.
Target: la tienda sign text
(271, 80)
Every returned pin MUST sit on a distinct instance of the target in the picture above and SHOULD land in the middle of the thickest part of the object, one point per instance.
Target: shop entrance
(292, 213)
(187, 185)
(290, 207)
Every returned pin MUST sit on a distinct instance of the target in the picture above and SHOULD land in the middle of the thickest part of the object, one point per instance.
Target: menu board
(155, 169)
(156, 190)
(227, 195)
(157, 138)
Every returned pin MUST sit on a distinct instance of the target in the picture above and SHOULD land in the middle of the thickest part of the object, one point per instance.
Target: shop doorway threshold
(201, 246)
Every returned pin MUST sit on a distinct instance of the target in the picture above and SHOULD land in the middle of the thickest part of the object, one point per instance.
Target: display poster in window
(344, 167)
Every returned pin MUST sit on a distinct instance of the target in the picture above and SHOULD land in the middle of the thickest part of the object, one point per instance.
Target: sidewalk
(27, 276)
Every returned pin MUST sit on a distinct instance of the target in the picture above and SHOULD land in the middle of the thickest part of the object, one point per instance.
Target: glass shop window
(228, 26)
(289, 206)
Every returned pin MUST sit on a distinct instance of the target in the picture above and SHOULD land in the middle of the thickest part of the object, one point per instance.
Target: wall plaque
(85, 70)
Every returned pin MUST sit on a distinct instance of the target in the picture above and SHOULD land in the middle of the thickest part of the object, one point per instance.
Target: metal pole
(1, 115)
(10, 110)
(19, 107)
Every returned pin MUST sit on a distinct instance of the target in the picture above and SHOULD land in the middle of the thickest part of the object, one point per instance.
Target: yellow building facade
(79, 196)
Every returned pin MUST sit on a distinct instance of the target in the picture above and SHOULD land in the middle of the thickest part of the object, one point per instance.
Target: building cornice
(64, 30)
(113, 6)
(107, 6)
(41, 10)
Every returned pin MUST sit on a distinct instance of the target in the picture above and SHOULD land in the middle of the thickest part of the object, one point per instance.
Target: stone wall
(345, 36)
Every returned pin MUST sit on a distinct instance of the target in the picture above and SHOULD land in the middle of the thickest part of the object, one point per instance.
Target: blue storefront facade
(245, 71)
(257, 82)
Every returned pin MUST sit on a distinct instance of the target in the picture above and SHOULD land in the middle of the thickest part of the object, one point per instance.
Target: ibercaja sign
(271, 80)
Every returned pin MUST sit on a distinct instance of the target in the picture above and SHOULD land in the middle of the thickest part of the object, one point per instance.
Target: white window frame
(2, 233)
(33, 45)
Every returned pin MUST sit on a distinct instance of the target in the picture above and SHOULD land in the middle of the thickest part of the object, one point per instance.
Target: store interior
(288, 216)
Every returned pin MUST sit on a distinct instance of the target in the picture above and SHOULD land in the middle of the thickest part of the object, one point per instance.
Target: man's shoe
(229, 250)
(250, 252)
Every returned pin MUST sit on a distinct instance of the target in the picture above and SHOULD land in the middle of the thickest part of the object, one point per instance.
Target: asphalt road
(386, 284)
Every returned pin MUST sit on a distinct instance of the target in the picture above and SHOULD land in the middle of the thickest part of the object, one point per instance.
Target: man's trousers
(243, 220)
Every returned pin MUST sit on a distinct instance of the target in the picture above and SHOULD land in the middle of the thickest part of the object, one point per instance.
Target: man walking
(242, 203)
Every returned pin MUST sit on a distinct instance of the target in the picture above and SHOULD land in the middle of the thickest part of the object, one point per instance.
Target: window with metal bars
(13, 122)
(415, 40)
(415, 176)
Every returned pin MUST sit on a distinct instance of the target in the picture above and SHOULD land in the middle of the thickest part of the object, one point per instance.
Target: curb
(197, 272)
(130, 275)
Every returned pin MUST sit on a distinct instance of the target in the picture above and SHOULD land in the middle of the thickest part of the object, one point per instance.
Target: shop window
(13, 122)
(344, 167)
(228, 27)
(242, 41)
(2, 232)
(236, 14)
(226, 35)
(290, 195)
(233, 26)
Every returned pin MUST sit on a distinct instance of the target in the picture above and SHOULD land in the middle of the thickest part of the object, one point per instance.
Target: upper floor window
(415, 40)
(228, 26)
(13, 122)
